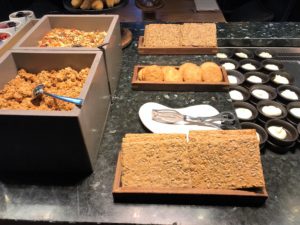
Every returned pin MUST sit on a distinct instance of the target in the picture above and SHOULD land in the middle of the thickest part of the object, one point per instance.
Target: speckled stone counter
(246, 34)
(90, 201)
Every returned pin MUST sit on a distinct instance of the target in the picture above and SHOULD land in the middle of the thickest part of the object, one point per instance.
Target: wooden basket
(185, 195)
(136, 84)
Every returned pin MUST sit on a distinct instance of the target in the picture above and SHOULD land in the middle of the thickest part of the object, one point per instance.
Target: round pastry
(191, 72)
(211, 72)
(165, 69)
(151, 73)
(185, 65)
(171, 74)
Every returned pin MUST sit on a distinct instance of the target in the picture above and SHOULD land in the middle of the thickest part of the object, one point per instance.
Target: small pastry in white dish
(271, 111)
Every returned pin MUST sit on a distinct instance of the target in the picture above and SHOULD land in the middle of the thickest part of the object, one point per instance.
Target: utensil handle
(76, 101)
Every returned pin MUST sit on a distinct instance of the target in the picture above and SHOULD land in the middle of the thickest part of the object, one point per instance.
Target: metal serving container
(34, 141)
(108, 23)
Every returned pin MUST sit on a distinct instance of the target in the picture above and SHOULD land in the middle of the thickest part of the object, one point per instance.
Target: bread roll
(171, 74)
(191, 72)
(86, 4)
(151, 73)
(211, 72)
(76, 3)
(110, 3)
(97, 5)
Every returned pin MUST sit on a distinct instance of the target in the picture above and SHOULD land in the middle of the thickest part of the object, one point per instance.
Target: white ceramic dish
(28, 16)
(11, 30)
(145, 114)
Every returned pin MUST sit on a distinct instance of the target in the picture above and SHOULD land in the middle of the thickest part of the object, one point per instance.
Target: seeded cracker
(162, 35)
(155, 164)
(210, 160)
(199, 34)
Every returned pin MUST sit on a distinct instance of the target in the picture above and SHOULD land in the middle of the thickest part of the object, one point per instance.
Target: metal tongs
(171, 116)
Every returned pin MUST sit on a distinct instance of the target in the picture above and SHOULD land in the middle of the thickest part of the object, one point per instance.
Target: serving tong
(171, 116)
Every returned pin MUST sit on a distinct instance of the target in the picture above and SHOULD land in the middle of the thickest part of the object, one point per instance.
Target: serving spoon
(39, 91)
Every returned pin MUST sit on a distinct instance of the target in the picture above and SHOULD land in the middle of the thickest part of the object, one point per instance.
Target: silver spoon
(39, 90)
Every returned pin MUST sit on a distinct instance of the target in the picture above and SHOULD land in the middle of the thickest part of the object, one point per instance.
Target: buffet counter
(90, 201)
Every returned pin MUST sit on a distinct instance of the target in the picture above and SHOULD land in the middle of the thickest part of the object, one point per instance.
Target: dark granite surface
(246, 34)
(259, 34)
(90, 200)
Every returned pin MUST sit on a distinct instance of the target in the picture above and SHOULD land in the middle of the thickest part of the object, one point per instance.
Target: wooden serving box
(184, 195)
(174, 50)
(54, 142)
(136, 84)
(108, 23)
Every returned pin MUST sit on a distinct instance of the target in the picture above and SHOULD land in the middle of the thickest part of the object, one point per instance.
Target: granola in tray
(62, 37)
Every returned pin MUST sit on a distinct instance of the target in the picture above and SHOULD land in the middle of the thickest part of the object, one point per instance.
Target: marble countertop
(90, 200)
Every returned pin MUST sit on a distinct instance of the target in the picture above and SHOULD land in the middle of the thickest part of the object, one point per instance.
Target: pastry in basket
(191, 72)
(86, 4)
(211, 72)
(92, 4)
(151, 73)
(97, 5)
(76, 3)
(171, 74)
(110, 3)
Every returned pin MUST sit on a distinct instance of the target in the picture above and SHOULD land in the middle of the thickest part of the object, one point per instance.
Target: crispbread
(177, 35)
(221, 134)
(199, 34)
(210, 160)
(153, 137)
(155, 164)
(162, 35)
(223, 160)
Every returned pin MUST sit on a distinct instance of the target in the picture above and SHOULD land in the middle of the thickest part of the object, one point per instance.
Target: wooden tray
(136, 84)
(185, 195)
(174, 51)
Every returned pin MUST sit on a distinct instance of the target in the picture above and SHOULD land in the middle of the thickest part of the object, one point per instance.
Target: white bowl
(11, 30)
(2, 41)
(23, 19)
